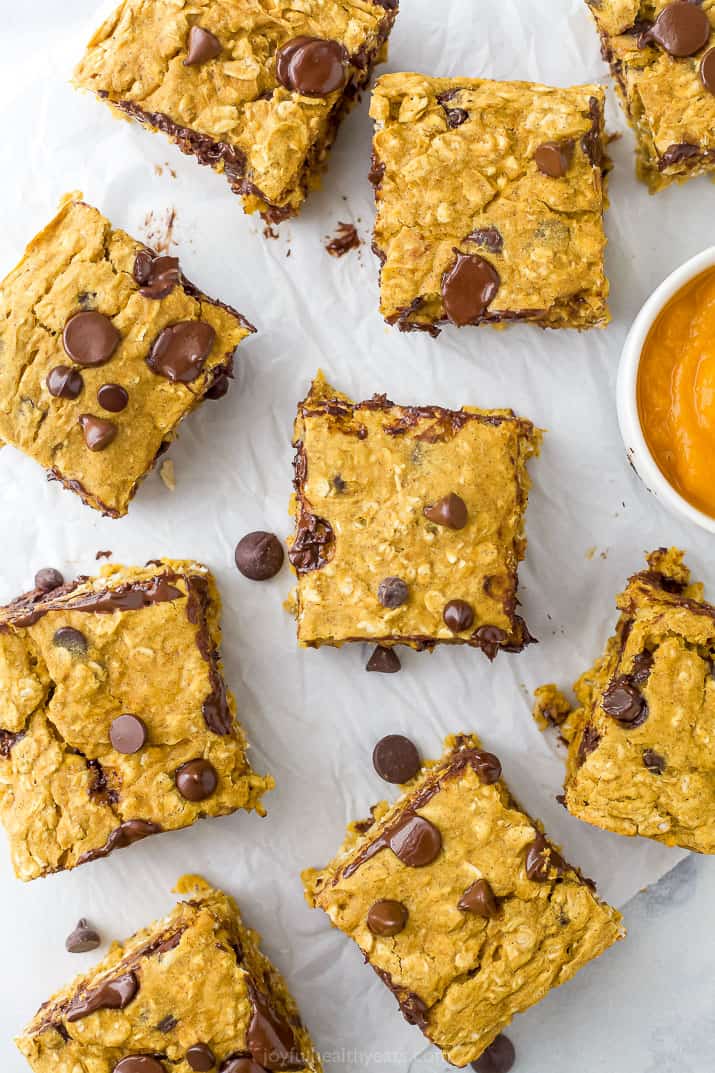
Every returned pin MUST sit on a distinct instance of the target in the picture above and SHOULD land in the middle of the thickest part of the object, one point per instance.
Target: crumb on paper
(551, 707)
(158, 228)
(167, 474)
(345, 239)
(269, 231)
(158, 170)
(590, 552)
(103, 555)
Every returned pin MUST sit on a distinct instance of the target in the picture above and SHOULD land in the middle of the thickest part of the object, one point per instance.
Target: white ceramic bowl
(637, 450)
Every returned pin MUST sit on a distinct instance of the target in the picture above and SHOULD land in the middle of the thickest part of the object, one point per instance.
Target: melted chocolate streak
(28, 609)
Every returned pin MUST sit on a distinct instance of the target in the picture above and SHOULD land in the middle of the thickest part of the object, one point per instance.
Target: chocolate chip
(387, 918)
(490, 639)
(219, 388)
(200, 1057)
(499, 1057)
(676, 154)
(456, 116)
(259, 556)
(241, 1064)
(395, 759)
(64, 382)
(415, 841)
(139, 1063)
(393, 592)
(488, 237)
(113, 994)
(196, 780)
(202, 46)
(682, 29)
(269, 1037)
(487, 767)
(71, 639)
(98, 433)
(90, 338)
(480, 900)
(554, 158)
(112, 397)
(623, 702)
(450, 511)
(180, 350)
(384, 660)
(167, 1024)
(590, 740)
(642, 666)
(127, 734)
(707, 70)
(458, 615)
(468, 287)
(312, 66)
(48, 579)
(156, 276)
(654, 761)
(541, 859)
(339, 484)
(83, 938)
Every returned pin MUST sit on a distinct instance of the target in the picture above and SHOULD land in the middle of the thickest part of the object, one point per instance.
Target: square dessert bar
(191, 992)
(409, 523)
(116, 722)
(254, 88)
(641, 758)
(460, 904)
(490, 200)
(662, 56)
(104, 349)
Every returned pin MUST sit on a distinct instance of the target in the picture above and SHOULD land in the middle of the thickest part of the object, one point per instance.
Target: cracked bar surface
(641, 758)
(457, 169)
(230, 110)
(667, 103)
(494, 920)
(365, 473)
(79, 265)
(196, 989)
(136, 646)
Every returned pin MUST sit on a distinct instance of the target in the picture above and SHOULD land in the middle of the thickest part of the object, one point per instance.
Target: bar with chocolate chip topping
(409, 524)
(105, 347)
(662, 57)
(490, 200)
(256, 89)
(460, 903)
(640, 758)
(191, 992)
(116, 722)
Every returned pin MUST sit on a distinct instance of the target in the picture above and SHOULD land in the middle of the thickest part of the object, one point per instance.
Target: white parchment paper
(313, 717)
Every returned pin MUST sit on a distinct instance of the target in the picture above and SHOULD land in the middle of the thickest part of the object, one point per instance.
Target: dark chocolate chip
(90, 338)
(128, 832)
(499, 1057)
(339, 484)
(450, 511)
(71, 639)
(196, 779)
(202, 46)
(642, 666)
(488, 237)
(312, 66)
(415, 841)
(468, 287)
(82, 938)
(623, 701)
(487, 766)
(48, 579)
(270, 1038)
(654, 761)
(707, 70)
(167, 1024)
(395, 759)
(456, 116)
(259, 556)
(541, 859)
(64, 382)
(200, 1057)
(112, 397)
(384, 660)
(180, 350)
(490, 639)
(240, 1064)
(676, 154)
(393, 592)
(113, 994)
(127, 734)
(219, 388)
(554, 158)
(156, 276)
(98, 432)
(387, 917)
(590, 740)
(458, 615)
(480, 900)
(139, 1063)
(682, 29)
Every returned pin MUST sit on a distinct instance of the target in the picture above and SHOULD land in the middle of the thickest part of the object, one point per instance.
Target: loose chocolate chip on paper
(480, 900)
(415, 841)
(458, 615)
(196, 780)
(450, 511)
(393, 592)
(499, 1057)
(82, 939)
(468, 288)
(654, 761)
(139, 1063)
(48, 579)
(98, 432)
(554, 158)
(387, 917)
(71, 639)
(180, 350)
(64, 382)
(200, 1057)
(202, 46)
(707, 70)
(624, 702)
(682, 29)
(90, 338)
(156, 276)
(259, 556)
(112, 397)
(384, 660)
(312, 66)
(219, 388)
(487, 766)
(395, 759)
(127, 734)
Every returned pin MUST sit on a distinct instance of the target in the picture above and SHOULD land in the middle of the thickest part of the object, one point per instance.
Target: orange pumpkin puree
(676, 392)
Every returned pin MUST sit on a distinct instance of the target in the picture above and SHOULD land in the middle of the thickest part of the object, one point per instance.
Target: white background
(313, 717)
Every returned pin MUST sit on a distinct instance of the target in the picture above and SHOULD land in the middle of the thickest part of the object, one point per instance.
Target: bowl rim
(637, 449)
